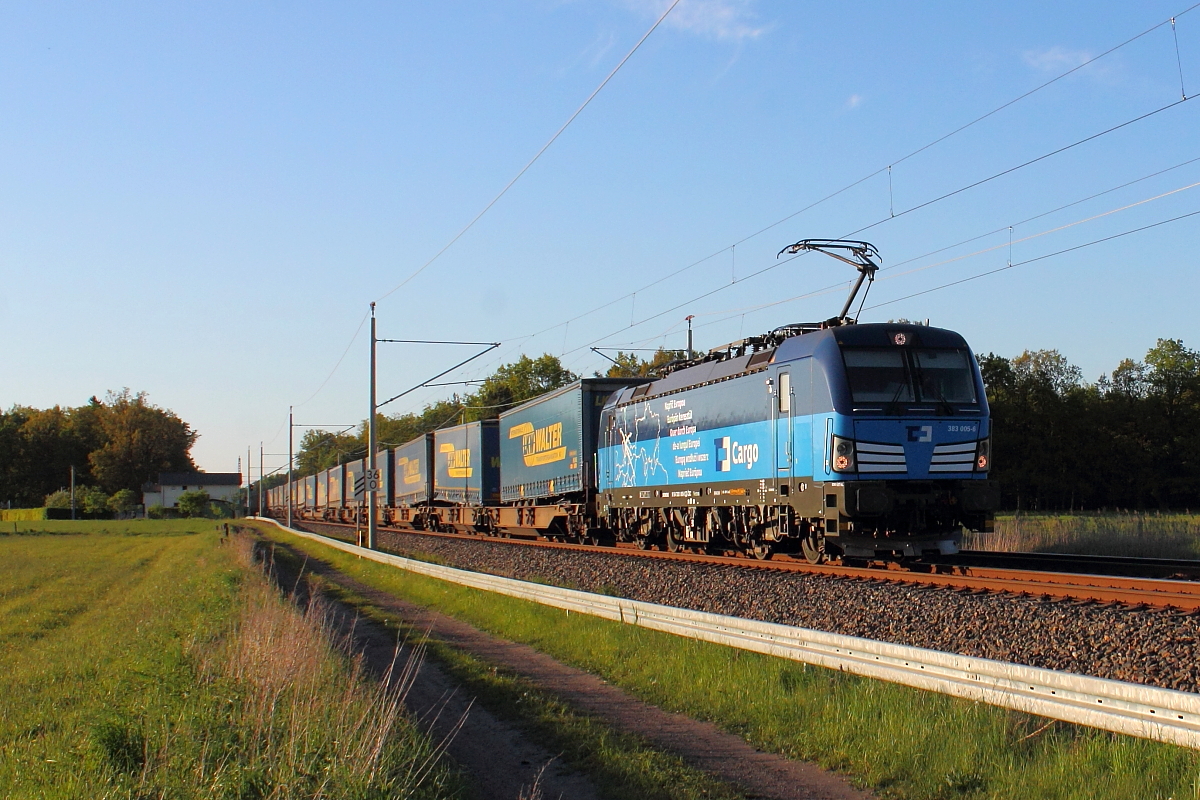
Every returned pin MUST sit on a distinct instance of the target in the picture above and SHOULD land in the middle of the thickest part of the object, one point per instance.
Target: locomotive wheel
(673, 544)
(643, 542)
(761, 550)
(813, 547)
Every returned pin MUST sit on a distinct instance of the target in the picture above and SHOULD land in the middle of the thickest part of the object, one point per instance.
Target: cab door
(802, 411)
(785, 402)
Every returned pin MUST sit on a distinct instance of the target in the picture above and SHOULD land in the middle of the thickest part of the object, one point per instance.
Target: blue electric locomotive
(835, 439)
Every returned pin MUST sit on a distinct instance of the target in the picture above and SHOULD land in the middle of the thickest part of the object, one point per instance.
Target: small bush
(89, 501)
(123, 502)
(92, 501)
(158, 512)
(193, 504)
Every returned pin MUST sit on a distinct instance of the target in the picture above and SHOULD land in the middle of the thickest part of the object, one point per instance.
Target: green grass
(901, 742)
(1146, 535)
(620, 765)
(130, 527)
(162, 664)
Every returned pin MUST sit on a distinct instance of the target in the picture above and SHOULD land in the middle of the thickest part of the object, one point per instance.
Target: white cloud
(719, 19)
(1055, 59)
(853, 101)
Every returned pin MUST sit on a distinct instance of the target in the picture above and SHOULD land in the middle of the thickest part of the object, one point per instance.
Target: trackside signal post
(373, 476)
(373, 473)
(291, 489)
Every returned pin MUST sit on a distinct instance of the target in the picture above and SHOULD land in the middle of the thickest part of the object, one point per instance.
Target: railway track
(1021, 574)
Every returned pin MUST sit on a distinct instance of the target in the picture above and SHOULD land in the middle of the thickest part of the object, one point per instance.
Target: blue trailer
(356, 492)
(467, 459)
(548, 445)
(413, 494)
(387, 482)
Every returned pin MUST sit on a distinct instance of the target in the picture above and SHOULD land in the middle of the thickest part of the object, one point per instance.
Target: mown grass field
(901, 742)
(1143, 535)
(152, 659)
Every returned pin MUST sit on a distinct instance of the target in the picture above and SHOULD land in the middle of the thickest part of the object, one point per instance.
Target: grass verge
(901, 742)
(1149, 535)
(165, 665)
(620, 765)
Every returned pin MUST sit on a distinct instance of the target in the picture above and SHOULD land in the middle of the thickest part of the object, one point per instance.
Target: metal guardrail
(1144, 711)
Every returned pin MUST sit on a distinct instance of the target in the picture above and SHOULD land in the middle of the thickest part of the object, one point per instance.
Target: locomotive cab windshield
(901, 376)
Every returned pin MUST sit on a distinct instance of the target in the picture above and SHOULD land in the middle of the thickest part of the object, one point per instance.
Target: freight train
(833, 439)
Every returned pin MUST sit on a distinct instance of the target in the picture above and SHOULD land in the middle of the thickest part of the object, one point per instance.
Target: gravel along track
(1139, 646)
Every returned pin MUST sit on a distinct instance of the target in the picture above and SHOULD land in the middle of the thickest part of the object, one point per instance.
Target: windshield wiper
(890, 407)
(947, 409)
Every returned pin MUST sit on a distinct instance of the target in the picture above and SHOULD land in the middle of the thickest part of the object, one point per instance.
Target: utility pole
(248, 468)
(72, 491)
(260, 478)
(289, 489)
(372, 489)
(689, 322)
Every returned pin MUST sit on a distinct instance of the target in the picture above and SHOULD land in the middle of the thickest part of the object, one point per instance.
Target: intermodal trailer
(322, 501)
(387, 480)
(413, 465)
(547, 457)
(356, 490)
(336, 499)
(467, 464)
(466, 474)
(310, 494)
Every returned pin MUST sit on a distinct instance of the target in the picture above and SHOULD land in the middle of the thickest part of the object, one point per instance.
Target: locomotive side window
(785, 392)
(944, 376)
(878, 375)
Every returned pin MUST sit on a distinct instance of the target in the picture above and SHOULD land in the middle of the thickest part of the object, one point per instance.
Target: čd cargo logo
(920, 433)
(730, 453)
(409, 469)
(458, 462)
(539, 445)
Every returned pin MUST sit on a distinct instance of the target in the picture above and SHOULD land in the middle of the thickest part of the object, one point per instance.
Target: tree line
(115, 445)
(1129, 440)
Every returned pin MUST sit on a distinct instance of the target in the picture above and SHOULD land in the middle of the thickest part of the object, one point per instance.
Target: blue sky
(199, 201)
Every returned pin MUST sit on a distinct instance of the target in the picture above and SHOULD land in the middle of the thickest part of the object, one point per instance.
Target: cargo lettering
(730, 452)
(543, 445)
(458, 462)
(410, 469)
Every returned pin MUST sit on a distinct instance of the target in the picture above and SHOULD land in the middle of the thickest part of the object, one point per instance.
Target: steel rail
(1143, 711)
(1126, 566)
(1159, 593)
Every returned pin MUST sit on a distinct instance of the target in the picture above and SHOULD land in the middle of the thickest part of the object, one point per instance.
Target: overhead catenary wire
(1038, 258)
(892, 213)
(888, 168)
(345, 352)
(925, 204)
(732, 313)
(840, 284)
(536, 156)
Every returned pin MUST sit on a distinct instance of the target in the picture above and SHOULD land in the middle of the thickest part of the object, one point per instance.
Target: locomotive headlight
(843, 454)
(983, 455)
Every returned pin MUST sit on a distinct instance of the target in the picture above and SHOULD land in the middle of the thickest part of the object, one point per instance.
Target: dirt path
(490, 748)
